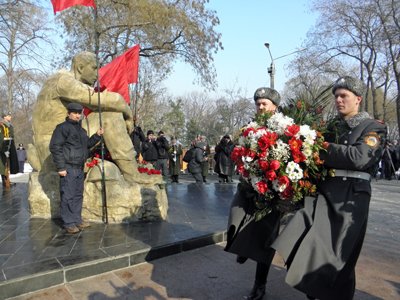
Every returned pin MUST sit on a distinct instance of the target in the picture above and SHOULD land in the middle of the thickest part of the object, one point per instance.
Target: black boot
(241, 259)
(257, 293)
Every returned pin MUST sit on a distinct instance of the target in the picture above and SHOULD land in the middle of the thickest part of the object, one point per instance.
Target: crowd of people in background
(390, 162)
(168, 156)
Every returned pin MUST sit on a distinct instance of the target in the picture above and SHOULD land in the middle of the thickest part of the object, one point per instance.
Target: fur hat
(267, 93)
(6, 113)
(349, 83)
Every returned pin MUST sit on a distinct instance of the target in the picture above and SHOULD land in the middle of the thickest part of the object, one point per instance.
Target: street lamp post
(271, 69)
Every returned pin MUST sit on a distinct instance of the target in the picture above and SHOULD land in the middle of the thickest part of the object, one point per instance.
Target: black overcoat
(223, 162)
(174, 153)
(322, 242)
(247, 237)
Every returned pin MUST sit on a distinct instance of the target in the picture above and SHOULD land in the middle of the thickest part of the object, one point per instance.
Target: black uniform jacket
(149, 150)
(322, 242)
(70, 145)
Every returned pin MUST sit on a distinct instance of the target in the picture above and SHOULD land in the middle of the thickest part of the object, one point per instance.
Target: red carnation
(270, 175)
(264, 165)
(292, 130)
(247, 131)
(274, 165)
(287, 193)
(283, 180)
(262, 187)
(237, 154)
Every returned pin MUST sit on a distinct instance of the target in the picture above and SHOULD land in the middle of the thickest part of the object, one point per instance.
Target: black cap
(267, 93)
(160, 132)
(74, 107)
(150, 132)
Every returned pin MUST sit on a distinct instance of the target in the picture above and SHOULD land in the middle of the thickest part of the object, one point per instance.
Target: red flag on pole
(119, 73)
(59, 5)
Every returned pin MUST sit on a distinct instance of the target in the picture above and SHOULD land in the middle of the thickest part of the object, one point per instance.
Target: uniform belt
(350, 173)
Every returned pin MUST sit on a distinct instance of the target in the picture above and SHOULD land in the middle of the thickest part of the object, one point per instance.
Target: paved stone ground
(211, 273)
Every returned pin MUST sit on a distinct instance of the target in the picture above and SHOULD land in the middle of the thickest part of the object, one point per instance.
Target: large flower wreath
(280, 160)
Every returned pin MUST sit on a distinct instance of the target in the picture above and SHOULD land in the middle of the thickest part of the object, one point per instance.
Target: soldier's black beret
(74, 107)
(267, 93)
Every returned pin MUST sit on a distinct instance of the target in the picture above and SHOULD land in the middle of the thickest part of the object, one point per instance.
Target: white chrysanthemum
(242, 141)
(252, 124)
(307, 151)
(309, 134)
(260, 133)
(278, 123)
(277, 187)
(294, 171)
(280, 151)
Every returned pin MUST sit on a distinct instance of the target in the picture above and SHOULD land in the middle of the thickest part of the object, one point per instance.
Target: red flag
(123, 70)
(59, 5)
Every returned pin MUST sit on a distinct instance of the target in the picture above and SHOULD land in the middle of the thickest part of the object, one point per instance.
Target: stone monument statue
(130, 195)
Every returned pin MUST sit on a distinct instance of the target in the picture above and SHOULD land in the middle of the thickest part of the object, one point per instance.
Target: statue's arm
(71, 90)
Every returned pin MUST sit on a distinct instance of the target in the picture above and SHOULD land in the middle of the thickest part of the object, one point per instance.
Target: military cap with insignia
(267, 93)
(349, 83)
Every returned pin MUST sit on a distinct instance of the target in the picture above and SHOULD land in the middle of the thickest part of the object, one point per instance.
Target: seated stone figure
(76, 86)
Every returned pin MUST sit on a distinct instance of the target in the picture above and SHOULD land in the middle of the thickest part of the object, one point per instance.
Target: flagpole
(103, 181)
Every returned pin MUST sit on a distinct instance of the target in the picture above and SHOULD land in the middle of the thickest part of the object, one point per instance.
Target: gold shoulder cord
(6, 131)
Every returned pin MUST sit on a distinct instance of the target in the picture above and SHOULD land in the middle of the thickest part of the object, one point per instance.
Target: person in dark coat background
(205, 163)
(224, 165)
(322, 242)
(162, 146)
(194, 165)
(246, 237)
(149, 148)
(175, 152)
(137, 137)
(21, 154)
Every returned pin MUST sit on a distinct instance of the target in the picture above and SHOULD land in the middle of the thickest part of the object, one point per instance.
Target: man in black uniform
(322, 242)
(69, 146)
(8, 154)
(246, 236)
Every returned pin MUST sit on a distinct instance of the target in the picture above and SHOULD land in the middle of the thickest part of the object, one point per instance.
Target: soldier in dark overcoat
(8, 154)
(322, 242)
(246, 237)
(174, 154)
(194, 165)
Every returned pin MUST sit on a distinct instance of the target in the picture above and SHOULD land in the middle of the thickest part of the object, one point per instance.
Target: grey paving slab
(164, 258)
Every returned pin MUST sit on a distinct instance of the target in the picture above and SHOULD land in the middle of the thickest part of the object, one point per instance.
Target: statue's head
(84, 67)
